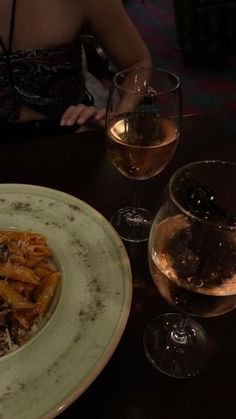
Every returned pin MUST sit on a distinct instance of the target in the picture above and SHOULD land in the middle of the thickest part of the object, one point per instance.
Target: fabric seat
(206, 30)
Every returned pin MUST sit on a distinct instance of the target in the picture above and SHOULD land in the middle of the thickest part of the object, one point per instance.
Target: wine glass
(143, 118)
(192, 259)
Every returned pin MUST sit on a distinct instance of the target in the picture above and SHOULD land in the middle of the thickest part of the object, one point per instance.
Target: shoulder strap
(12, 24)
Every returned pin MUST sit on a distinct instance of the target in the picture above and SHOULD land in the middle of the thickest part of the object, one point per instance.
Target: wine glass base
(132, 224)
(181, 358)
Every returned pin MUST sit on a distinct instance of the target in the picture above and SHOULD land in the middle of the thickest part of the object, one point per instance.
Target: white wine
(192, 269)
(191, 302)
(141, 144)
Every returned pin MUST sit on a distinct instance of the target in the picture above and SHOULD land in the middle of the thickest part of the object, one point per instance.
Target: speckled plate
(43, 377)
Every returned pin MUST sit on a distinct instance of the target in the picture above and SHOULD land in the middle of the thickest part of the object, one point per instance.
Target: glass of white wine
(192, 259)
(143, 120)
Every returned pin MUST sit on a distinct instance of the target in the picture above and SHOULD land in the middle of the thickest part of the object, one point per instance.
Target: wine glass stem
(137, 194)
(179, 335)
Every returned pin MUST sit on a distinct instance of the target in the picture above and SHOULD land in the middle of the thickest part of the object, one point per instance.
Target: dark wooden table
(129, 387)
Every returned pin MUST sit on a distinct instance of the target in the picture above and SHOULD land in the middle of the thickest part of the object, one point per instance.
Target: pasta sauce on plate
(27, 286)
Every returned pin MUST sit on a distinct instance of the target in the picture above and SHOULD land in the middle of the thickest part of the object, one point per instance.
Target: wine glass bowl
(144, 154)
(143, 122)
(192, 259)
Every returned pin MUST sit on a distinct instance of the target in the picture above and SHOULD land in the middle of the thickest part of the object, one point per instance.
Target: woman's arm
(117, 35)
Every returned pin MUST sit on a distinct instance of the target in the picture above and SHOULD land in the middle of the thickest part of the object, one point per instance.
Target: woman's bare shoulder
(94, 9)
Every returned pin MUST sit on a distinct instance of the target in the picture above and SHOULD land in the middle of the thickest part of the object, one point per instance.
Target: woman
(41, 75)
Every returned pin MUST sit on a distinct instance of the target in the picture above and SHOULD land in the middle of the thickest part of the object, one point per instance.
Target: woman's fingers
(72, 114)
(89, 112)
(100, 117)
(81, 114)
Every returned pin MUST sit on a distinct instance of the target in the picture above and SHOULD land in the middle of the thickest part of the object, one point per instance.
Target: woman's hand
(85, 116)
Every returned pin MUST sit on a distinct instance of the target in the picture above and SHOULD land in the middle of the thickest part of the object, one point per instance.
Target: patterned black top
(44, 79)
(47, 80)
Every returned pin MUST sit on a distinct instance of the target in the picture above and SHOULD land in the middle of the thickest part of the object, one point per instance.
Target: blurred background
(196, 39)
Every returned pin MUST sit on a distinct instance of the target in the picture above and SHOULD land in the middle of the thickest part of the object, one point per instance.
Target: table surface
(129, 387)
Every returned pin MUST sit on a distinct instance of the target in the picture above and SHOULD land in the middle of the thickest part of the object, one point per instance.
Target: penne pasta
(42, 270)
(13, 298)
(24, 288)
(18, 272)
(25, 247)
(27, 283)
(47, 293)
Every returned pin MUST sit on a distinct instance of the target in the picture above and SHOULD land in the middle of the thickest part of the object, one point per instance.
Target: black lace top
(47, 80)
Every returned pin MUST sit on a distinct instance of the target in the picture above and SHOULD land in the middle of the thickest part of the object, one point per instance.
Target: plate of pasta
(64, 276)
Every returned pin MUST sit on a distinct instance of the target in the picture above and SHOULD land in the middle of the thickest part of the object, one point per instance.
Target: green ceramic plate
(43, 377)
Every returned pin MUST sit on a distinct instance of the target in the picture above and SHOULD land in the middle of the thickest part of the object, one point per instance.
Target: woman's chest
(37, 23)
